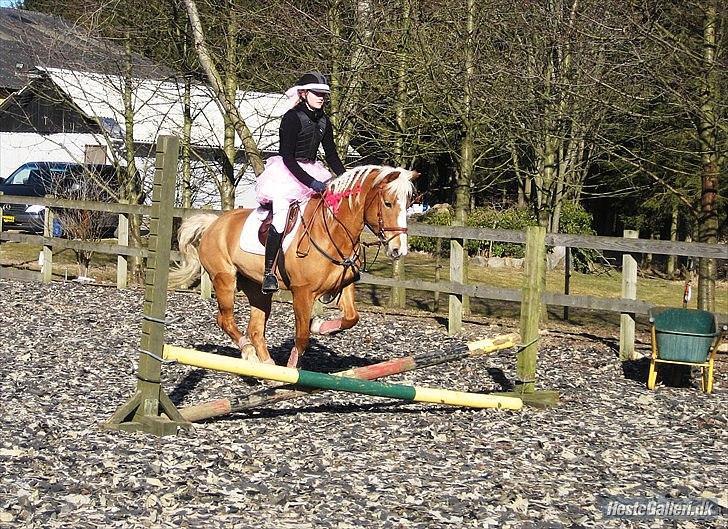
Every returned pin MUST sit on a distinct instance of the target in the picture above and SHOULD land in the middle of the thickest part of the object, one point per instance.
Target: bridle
(382, 230)
(356, 260)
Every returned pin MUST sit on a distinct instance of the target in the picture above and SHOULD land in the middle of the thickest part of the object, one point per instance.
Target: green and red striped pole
(326, 381)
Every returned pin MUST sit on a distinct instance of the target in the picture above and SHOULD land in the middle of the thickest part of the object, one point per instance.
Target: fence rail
(451, 233)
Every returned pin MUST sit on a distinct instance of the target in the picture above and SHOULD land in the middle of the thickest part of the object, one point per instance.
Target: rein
(344, 261)
(355, 261)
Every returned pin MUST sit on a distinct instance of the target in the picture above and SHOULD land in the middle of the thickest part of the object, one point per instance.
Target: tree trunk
(185, 144)
(402, 87)
(464, 174)
(672, 259)
(227, 106)
(707, 136)
(350, 77)
(227, 183)
(131, 186)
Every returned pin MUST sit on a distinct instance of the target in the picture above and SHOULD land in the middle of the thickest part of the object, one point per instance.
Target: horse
(323, 259)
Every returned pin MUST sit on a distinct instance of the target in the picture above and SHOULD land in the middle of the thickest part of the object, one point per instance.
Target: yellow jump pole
(239, 366)
(282, 392)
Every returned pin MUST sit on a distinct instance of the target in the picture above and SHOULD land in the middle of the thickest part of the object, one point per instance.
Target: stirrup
(270, 284)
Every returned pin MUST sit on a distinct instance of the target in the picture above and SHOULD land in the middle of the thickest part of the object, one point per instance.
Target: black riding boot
(272, 245)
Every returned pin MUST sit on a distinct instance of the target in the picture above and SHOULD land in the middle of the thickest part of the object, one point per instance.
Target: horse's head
(381, 195)
(385, 209)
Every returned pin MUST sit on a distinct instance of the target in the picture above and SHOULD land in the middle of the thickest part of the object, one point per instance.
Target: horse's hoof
(329, 326)
(248, 352)
(293, 359)
(316, 323)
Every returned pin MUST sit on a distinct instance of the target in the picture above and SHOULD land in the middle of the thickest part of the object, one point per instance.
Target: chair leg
(652, 376)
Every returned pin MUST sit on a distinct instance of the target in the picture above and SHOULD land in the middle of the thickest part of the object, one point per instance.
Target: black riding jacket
(302, 131)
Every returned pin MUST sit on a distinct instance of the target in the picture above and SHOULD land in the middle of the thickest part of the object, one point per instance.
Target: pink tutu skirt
(277, 183)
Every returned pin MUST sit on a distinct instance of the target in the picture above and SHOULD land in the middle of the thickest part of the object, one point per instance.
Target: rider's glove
(317, 186)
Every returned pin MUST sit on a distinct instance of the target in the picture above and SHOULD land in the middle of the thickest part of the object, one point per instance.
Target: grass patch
(24, 255)
(608, 285)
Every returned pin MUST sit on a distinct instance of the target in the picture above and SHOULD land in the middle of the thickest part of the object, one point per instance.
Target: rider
(296, 174)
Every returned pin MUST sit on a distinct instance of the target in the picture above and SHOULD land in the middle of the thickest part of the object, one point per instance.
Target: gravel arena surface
(335, 460)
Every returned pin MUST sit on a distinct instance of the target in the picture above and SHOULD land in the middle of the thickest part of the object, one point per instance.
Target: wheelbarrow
(687, 337)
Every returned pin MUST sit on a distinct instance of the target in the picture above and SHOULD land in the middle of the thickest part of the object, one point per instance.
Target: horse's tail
(188, 236)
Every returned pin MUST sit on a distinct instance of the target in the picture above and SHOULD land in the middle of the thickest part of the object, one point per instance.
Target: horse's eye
(387, 204)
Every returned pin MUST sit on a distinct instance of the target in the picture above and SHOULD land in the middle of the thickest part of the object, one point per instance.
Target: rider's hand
(317, 186)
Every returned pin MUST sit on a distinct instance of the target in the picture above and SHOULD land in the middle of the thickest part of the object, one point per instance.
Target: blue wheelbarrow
(687, 337)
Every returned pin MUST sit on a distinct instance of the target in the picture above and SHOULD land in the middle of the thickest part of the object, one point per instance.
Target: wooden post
(438, 268)
(629, 291)
(531, 303)
(455, 309)
(535, 266)
(122, 261)
(46, 266)
(466, 267)
(567, 279)
(397, 297)
(143, 412)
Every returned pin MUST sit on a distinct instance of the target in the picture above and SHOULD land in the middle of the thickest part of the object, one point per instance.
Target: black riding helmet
(309, 81)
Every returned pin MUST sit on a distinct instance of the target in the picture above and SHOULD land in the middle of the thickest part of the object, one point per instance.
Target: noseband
(382, 230)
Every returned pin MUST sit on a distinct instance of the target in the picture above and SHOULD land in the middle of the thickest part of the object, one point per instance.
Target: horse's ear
(395, 174)
(391, 177)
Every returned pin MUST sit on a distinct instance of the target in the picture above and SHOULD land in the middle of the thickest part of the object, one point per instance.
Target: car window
(19, 177)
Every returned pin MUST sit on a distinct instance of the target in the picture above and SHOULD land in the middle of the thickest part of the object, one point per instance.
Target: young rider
(296, 174)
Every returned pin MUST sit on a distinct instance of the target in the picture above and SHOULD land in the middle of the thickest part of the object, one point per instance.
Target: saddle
(293, 212)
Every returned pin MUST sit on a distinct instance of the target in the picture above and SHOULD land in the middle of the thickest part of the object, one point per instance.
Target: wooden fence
(456, 288)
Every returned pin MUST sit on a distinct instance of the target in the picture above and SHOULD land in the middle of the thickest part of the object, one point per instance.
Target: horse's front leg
(302, 305)
(349, 315)
(260, 305)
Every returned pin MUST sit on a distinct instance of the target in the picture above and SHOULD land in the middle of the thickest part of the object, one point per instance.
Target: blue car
(37, 179)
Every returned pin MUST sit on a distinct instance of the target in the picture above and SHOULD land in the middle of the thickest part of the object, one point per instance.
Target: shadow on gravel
(318, 357)
(676, 376)
(186, 385)
(499, 377)
(398, 407)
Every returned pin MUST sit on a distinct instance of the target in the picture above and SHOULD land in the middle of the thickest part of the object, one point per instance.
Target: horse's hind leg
(225, 286)
(259, 314)
(349, 315)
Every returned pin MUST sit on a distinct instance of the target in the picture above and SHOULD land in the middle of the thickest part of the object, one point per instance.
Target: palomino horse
(324, 258)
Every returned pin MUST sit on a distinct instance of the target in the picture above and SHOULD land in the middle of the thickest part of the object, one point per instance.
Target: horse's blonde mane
(401, 186)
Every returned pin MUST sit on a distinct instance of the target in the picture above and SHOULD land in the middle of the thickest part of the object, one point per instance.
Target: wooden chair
(687, 337)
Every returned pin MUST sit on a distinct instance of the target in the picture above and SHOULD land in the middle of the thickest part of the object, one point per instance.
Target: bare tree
(221, 88)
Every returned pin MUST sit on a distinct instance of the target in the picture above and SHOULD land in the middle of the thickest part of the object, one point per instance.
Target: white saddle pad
(249, 236)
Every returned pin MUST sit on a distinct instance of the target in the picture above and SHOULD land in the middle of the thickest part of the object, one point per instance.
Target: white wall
(17, 148)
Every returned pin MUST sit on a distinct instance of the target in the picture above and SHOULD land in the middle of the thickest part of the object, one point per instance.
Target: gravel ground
(334, 460)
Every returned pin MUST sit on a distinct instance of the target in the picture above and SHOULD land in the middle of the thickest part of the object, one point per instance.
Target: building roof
(29, 39)
(158, 107)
